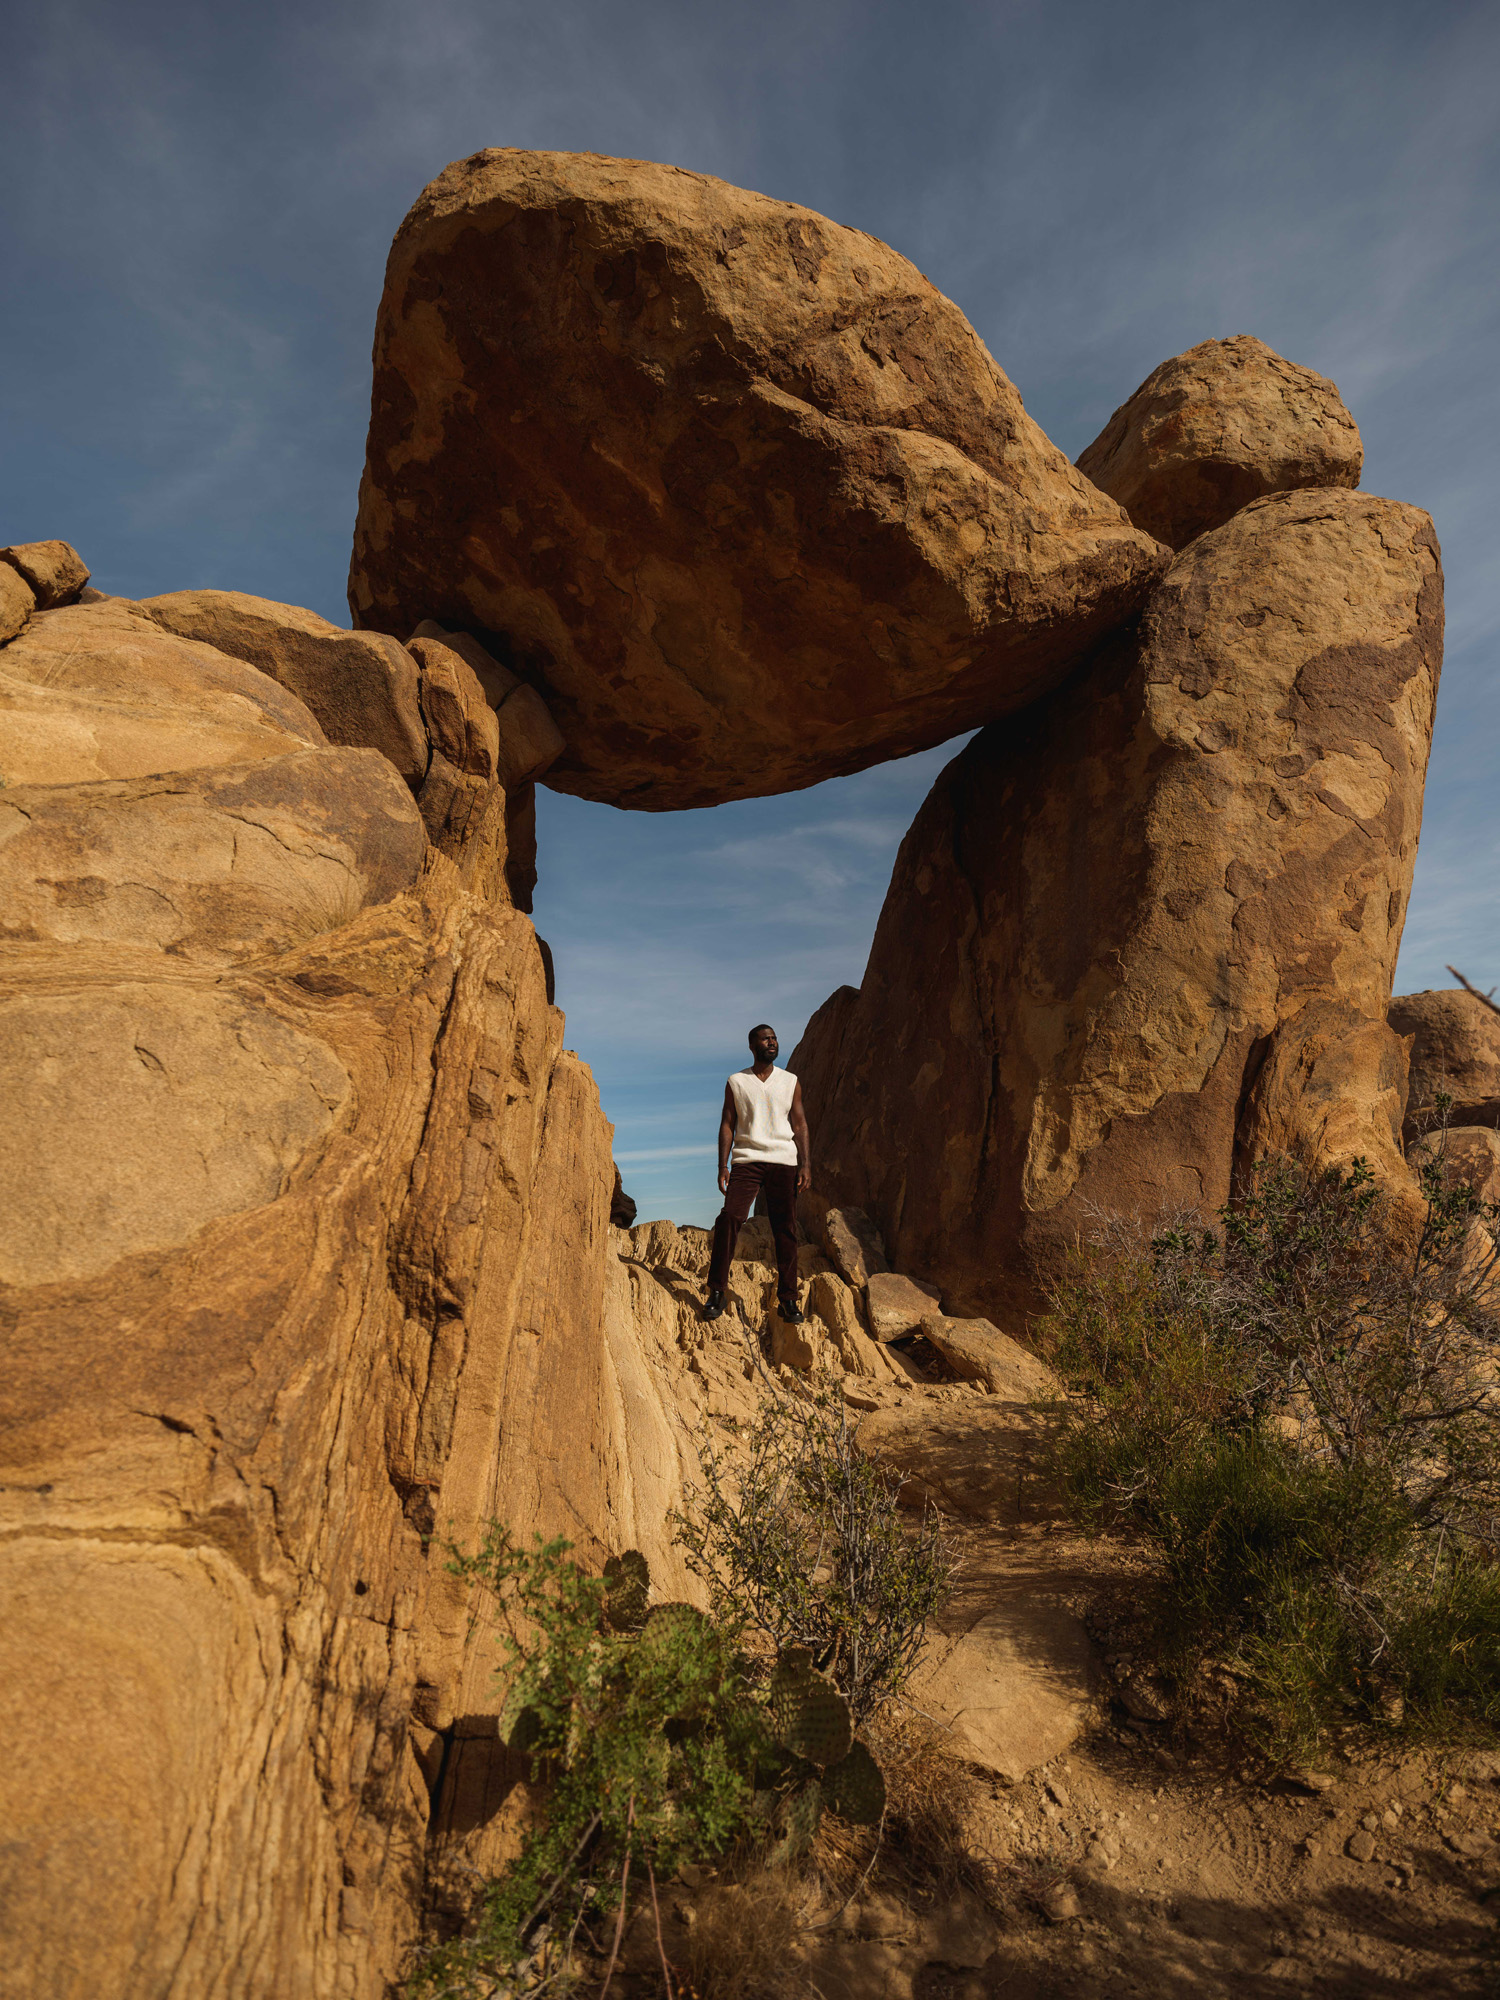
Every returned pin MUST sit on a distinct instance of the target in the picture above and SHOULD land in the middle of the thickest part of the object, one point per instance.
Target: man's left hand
(804, 1179)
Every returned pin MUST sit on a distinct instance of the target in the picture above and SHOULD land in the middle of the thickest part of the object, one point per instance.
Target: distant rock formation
(1215, 428)
(1113, 910)
(735, 488)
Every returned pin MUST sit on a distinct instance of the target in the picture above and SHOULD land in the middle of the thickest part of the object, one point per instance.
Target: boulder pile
(737, 490)
(674, 494)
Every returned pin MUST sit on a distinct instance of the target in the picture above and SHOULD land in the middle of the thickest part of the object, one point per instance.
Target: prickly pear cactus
(627, 1582)
(808, 1713)
(854, 1787)
(665, 1623)
(801, 1814)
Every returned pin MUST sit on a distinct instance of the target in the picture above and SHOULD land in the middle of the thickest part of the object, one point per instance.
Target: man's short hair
(757, 1028)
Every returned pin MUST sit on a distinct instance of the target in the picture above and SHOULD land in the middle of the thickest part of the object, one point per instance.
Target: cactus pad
(801, 1814)
(627, 1583)
(808, 1713)
(854, 1787)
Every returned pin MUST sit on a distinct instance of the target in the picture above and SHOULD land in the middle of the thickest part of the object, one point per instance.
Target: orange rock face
(1109, 910)
(737, 490)
(1215, 428)
(294, 1171)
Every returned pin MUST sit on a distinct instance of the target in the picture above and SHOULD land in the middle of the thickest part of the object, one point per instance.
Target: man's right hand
(723, 1180)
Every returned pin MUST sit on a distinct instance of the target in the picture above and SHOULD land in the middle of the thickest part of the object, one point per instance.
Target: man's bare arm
(804, 1143)
(726, 1138)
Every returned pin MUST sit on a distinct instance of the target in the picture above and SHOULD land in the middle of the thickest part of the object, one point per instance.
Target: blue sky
(199, 204)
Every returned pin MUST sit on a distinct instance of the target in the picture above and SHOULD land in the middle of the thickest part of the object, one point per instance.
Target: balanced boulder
(1215, 428)
(1108, 908)
(736, 489)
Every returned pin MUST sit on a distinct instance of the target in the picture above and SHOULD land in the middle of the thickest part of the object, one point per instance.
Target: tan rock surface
(733, 487)
(979, 1352)
(1455, 1053)
(846, 1236)
(305, 1264)
(1112, 904)
(17, 602)
(1468, 1153)
(1331, 1090)
(55, 570)
(99, 691)
(1012, 1689)
(217, 862)
(1215, 428)
(896, 1305)
(362, 686)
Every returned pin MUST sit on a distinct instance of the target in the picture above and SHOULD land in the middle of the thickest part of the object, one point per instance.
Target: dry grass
(743, 1945)
(925, 1847)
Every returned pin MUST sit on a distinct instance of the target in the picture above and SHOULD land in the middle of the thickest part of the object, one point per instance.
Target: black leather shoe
(790, 1311)
(713, 1305)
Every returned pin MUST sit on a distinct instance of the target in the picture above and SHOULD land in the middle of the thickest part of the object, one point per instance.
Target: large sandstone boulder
(1215, 428)
(1109, 909)
(1455, 1053)
(735, 488)
(303, 1271)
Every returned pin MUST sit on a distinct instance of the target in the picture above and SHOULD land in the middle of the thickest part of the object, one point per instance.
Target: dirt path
(1127, 1858)
(1133, 1860)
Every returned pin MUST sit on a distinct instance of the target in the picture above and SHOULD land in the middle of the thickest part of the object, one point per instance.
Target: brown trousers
(745, 1183)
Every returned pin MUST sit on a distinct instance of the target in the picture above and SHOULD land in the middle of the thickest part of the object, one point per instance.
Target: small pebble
(1361, 1846)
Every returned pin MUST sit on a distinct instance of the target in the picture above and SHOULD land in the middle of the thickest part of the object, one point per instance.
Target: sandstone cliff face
(1215, 428)
(307, 1222)
(1110, 910)
(744, 495)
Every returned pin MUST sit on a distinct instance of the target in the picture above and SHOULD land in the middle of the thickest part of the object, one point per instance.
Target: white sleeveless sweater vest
(763, 1118)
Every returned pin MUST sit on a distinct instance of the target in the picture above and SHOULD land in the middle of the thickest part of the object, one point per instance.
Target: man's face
(763, 1045)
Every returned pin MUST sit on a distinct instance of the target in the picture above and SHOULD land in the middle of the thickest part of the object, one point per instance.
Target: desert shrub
(801, 1541)
(1297, 1414)
(657, 1742)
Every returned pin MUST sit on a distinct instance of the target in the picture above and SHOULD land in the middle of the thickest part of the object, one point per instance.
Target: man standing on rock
(765, 1126)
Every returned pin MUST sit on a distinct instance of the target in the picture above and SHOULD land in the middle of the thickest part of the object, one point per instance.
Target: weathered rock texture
(1455, 1053)
(741, 494)
(362, 686)
(1469, 1154)
(55, 571)
(1215, 428)
(1112, 911)
(304, 1261)
(1331, 1089)
(17, 602)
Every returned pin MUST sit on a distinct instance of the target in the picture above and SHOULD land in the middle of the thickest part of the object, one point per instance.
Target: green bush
(657, 1742)
(1297, 1414)
(802, 1542)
